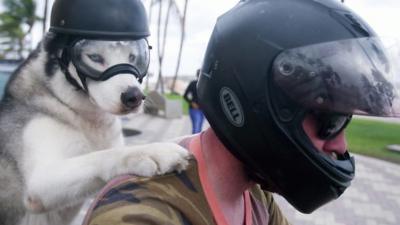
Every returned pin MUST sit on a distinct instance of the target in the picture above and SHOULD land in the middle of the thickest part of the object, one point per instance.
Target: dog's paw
(34, 204)
(158, 159)
(149, 160)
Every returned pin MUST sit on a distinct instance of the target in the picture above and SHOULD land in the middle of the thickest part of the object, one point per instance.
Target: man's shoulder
(175, 198)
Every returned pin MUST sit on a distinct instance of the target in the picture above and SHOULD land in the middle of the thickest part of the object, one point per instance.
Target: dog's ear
(54, 43)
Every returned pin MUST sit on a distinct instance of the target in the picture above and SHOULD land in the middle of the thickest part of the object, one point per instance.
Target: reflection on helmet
(347, 76)
(284, 60)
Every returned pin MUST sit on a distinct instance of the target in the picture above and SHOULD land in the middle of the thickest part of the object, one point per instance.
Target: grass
(185, 105)
(370, 138)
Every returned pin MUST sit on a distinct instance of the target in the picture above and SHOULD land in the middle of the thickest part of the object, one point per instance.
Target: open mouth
(336, 156)
(333, 155)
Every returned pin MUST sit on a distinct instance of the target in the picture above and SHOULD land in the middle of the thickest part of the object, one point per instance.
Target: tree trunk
(46, 4)
(21, 48)
(161, 48)
(183, 35)
(149, 21)
(159, 79)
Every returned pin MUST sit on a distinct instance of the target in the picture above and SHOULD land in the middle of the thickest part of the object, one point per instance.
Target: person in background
(279, 84)
(196, 115)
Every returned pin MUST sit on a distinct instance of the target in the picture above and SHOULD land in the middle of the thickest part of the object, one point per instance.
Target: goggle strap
(63, 62)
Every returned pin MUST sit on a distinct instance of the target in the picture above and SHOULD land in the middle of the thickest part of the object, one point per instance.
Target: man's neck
(227, 177)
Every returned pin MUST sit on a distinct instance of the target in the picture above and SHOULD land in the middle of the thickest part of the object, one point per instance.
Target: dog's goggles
(355, 76)
(99, 59)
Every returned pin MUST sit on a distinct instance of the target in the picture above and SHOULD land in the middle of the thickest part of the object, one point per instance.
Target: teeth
(334, 155)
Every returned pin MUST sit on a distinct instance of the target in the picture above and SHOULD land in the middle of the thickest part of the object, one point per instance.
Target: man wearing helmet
(280, 82)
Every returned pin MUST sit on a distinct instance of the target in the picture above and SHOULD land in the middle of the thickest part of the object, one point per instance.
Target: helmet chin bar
(312, 177)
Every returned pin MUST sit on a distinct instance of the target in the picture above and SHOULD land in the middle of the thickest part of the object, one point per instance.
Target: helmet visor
(355, 76)
(94, 57)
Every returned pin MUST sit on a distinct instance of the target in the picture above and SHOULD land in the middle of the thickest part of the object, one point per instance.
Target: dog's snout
(132, 97)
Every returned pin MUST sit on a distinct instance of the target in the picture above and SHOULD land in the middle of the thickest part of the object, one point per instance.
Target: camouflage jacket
(175, 199)
(172, 199)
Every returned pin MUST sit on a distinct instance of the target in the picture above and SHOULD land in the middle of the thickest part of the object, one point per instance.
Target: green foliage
(185, 105)
(368, 137)
(16, 23)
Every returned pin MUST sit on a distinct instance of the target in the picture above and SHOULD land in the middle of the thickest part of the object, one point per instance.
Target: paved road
(373, 198)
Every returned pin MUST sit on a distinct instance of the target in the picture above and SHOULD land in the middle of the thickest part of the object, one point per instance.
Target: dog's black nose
(132, 98)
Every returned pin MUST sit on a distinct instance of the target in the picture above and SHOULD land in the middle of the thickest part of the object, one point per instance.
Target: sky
(382, 15)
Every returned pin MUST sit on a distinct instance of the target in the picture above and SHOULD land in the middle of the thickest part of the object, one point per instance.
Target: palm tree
(16, 24)
(161, 46)
(182, 19)
(44, 22)
(150, 9)
(162, 31)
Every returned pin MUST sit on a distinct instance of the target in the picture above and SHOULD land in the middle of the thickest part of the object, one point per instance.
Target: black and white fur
(59, 145)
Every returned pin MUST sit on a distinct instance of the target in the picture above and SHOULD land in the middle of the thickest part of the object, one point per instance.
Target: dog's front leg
(67, 182)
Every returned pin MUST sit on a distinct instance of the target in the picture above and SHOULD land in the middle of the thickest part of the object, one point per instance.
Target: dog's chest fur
(103, 135)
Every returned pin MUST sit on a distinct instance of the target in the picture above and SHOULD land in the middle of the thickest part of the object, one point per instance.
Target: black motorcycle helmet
(76, 23)
(269, 64)
(112, 19)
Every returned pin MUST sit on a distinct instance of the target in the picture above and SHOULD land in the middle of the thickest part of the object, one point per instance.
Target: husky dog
(60, 136)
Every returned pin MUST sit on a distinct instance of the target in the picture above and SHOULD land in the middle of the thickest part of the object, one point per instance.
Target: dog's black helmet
(268, 64)
(111, 19)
